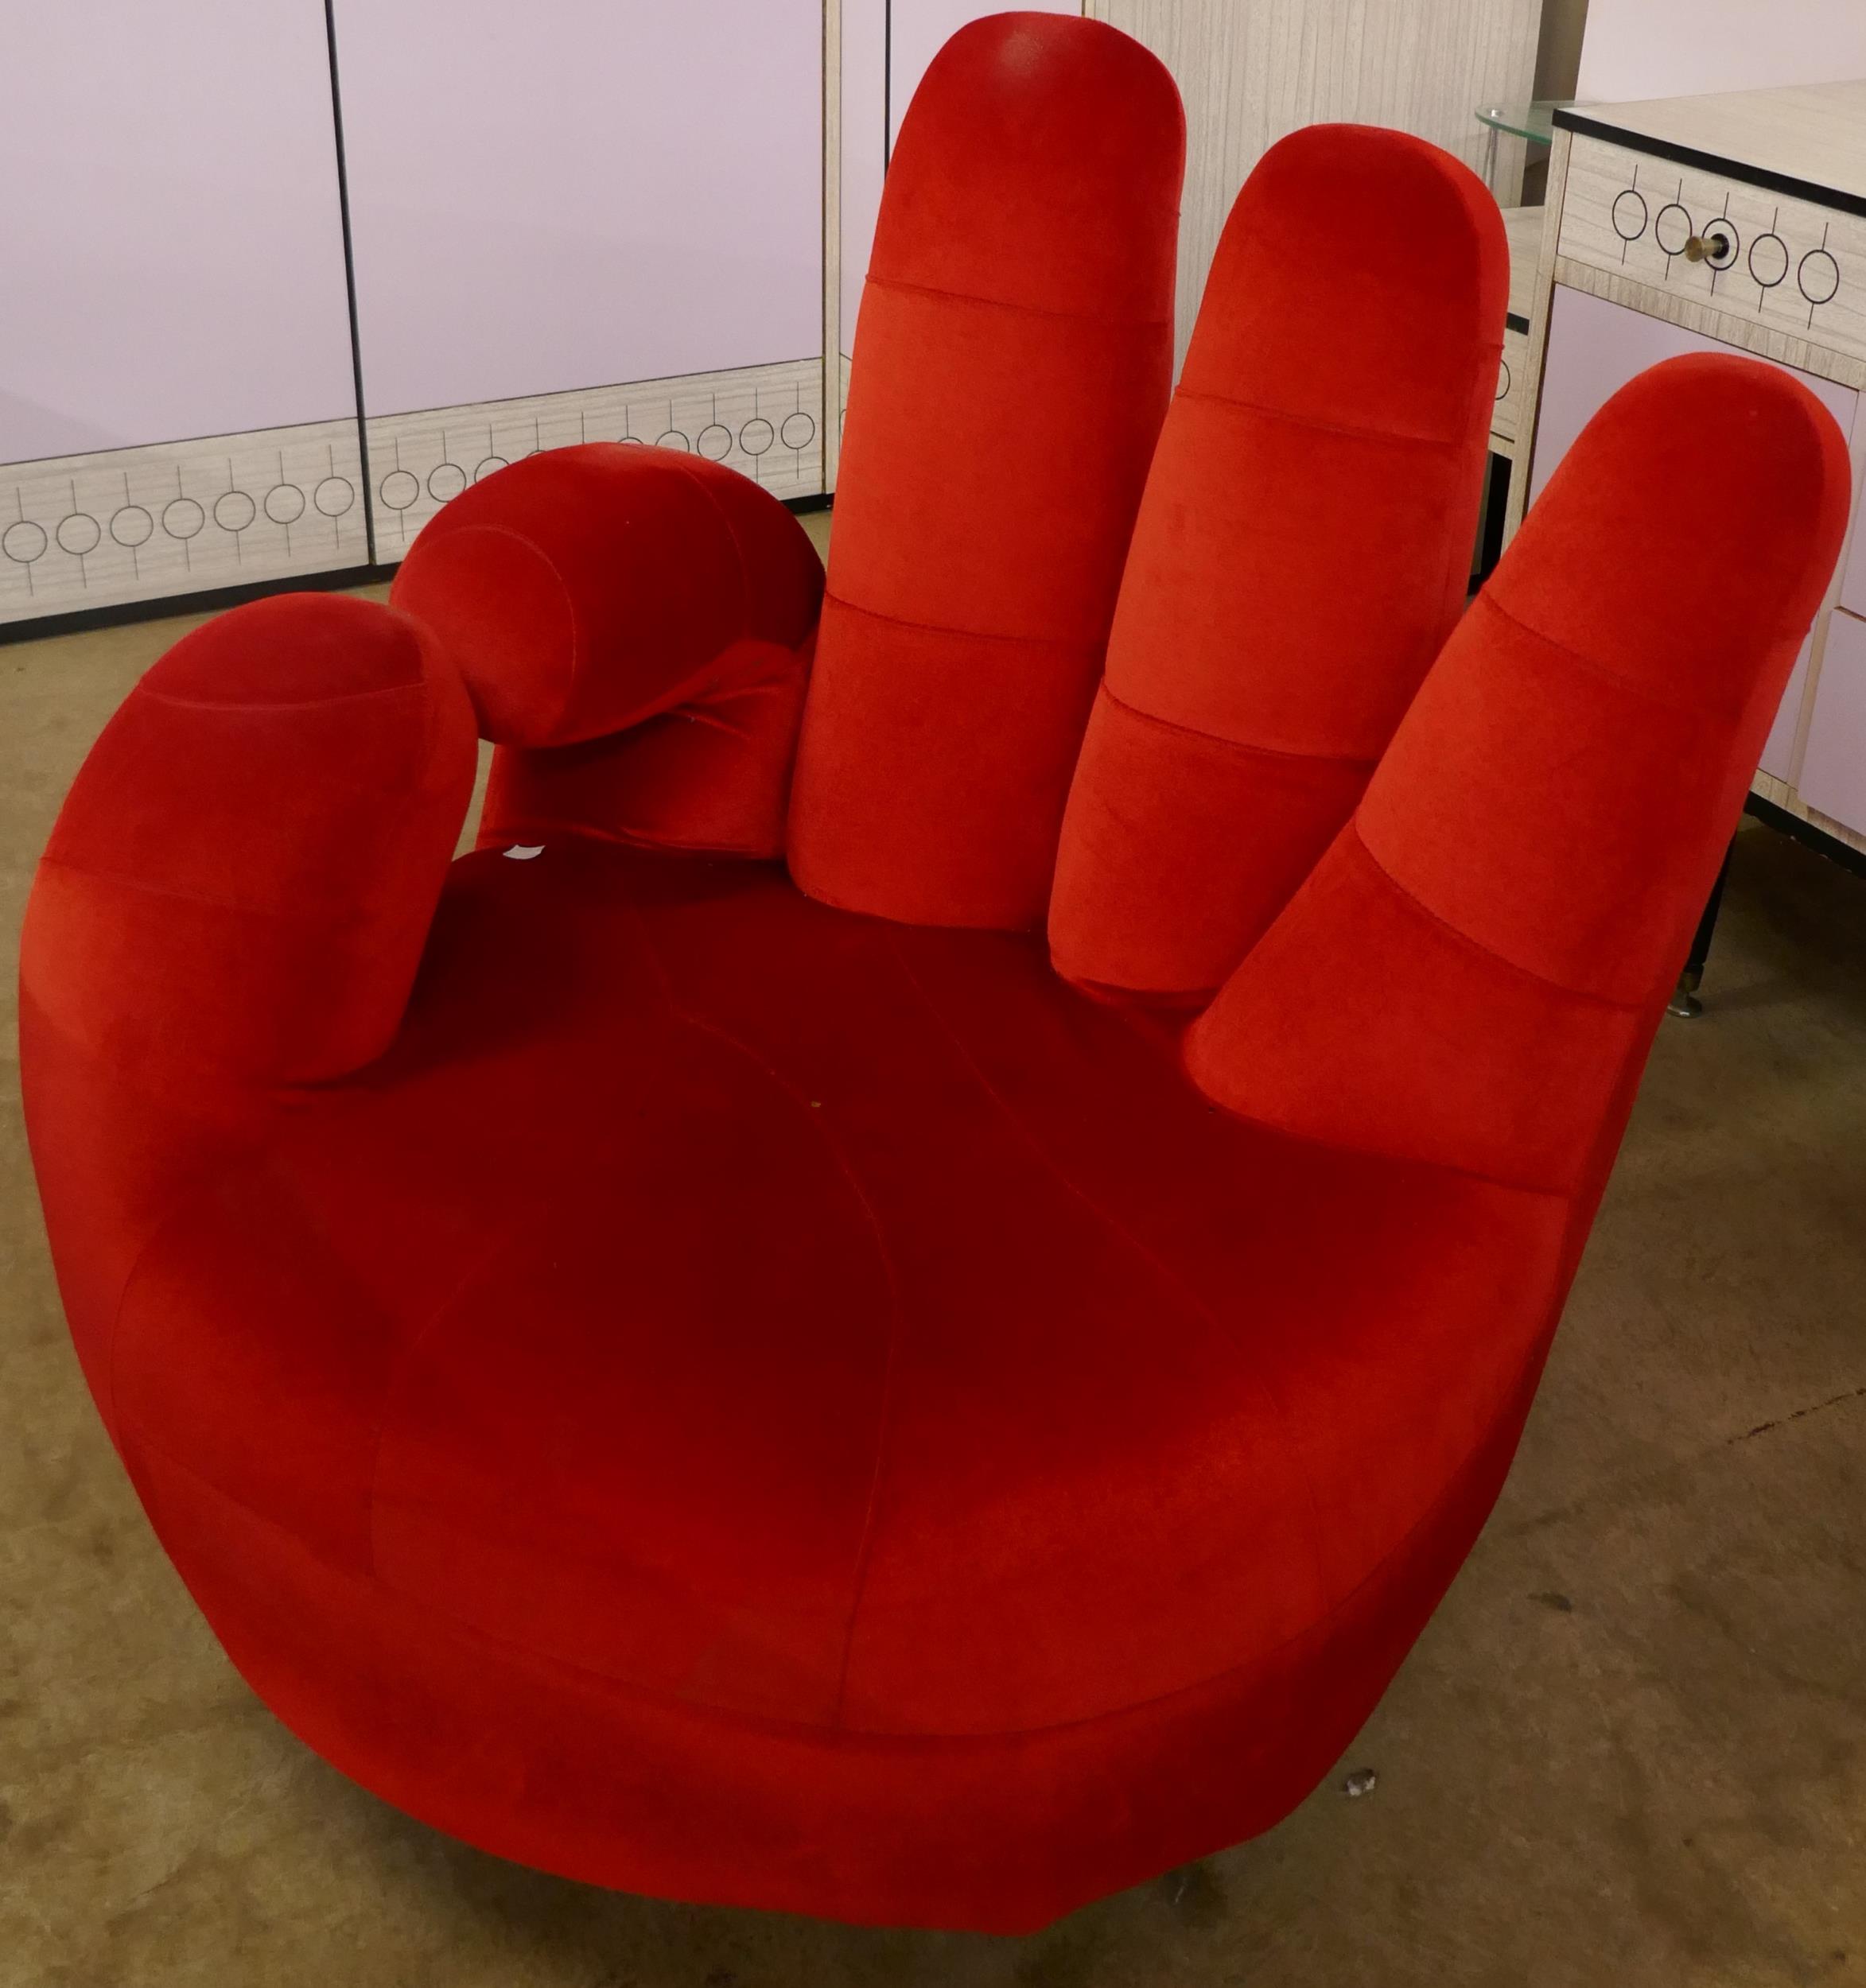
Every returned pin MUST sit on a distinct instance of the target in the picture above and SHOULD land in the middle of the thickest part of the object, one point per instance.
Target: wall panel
(1253, 70)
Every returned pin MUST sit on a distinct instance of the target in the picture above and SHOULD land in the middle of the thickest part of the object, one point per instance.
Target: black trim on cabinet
(887, 85)
(336, 114)
(1809, 190)
(208, 600)
(1775, 816)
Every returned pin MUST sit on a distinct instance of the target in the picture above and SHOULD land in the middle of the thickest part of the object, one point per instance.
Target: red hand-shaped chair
(753, 1385)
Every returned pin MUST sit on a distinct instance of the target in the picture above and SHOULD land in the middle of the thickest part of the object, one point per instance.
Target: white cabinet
(583, 219)
(178, 405)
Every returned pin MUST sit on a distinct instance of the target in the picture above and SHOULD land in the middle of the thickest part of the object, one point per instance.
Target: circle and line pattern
(400, 489)
(1672, 228)
(334, 496)
(234, 511)
(79, 533)
(1818, 277)
(182, 517)
(1629, 214)
(132, 525)
(1768, 260)
(284, 503)
(23, 541)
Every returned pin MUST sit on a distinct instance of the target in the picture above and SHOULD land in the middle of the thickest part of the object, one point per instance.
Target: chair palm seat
(781, 1311)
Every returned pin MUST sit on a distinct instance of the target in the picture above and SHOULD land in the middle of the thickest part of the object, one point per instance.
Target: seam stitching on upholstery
(1685, 707)
(699, 1709)
(1244, 746)
(578, 645)
(1489, 953)
(1396, 438)
(337, 920)
(976, 635)
(885, 1418)
(1017, 310)
(398, 1372)
(1540, 1190)
(1164, 1270)
(699, 483)
(147, 691)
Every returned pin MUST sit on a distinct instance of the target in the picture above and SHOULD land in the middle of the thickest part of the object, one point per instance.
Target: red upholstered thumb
(239, 885)
(233, 901)
(634, 627)
(1471, 975)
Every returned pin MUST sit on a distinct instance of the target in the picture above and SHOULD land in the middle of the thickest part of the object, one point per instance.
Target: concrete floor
(1631, 1749)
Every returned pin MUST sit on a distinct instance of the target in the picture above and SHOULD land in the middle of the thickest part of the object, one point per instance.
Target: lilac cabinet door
(1777, 759)
(177, 404)
(1833, 767)
(595, 219)
(1594, 348)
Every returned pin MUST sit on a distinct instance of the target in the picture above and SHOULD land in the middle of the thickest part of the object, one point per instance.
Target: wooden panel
(1251, 73)
(1816, 132)
(1522, 228)
(1833, 781)
(764, 421)
(1511, 375)
(1796, 268)
(110, 526)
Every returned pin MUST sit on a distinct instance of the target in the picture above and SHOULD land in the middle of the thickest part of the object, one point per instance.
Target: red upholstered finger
(235, 899)
(1011, 369)
(634, 625)
(1301, 551)
(1473, 972)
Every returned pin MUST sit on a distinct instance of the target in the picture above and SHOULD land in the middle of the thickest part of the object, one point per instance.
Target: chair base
(555, 1768)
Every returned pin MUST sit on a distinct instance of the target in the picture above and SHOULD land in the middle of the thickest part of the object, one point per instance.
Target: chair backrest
(1011, 369)
(1303, 548)
(1472, 974)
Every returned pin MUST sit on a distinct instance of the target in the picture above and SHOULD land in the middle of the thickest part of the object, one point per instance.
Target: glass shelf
(1535, 121)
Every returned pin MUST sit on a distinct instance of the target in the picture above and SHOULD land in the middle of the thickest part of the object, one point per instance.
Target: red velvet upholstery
(635, 627)
(1011, 369)
(1482, 954)
(721, 1394)
(1302, 550)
